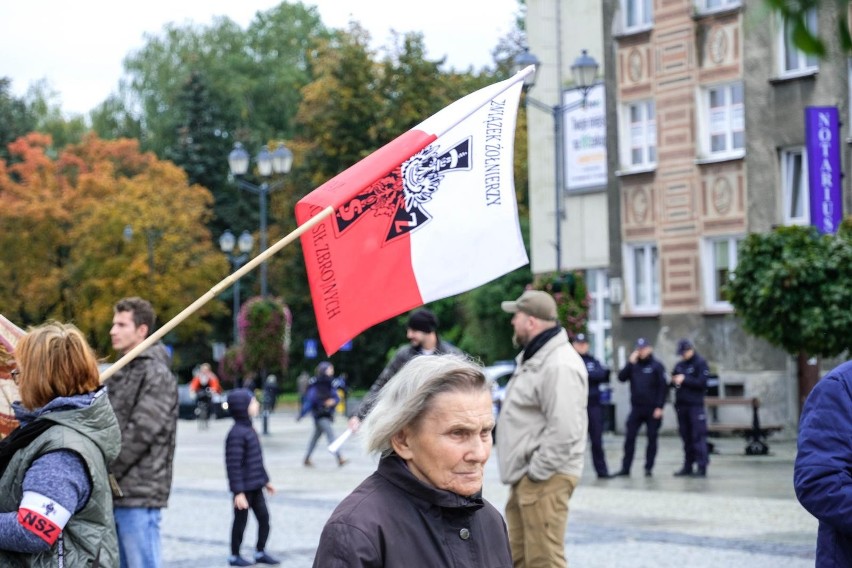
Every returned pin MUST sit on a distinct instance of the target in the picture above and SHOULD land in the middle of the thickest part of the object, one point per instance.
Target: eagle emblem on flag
(404, 191)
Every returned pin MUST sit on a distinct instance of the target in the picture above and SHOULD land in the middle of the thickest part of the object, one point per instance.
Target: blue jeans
(138, 536)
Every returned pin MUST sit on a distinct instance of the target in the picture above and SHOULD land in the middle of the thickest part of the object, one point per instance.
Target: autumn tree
(64, 236)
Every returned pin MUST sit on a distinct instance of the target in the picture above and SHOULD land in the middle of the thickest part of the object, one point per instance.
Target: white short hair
(409, 393)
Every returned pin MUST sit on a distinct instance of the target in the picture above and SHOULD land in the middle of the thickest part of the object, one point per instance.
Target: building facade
(707, 144)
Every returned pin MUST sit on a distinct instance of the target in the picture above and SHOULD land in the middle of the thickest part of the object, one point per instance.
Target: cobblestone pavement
(743, 515)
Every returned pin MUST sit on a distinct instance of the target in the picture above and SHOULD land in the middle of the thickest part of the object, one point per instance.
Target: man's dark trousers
(641, 415)
(596, 419)
(692, 425)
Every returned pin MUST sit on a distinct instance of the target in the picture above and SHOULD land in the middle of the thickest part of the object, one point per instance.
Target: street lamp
(584, 71)
(268, 163)
(244, 245)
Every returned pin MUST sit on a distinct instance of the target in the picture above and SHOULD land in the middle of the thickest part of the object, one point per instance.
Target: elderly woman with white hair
(432, 427)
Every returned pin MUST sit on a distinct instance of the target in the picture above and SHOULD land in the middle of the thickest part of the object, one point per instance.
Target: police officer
(648, 389)
(598, 375)
(689, 379)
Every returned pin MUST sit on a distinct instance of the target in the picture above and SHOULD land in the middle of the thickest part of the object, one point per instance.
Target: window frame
(805, 64)
(786, 188)
(649, 127)
(708, 262)
(731, 112)
(652, 283)
(646, 21)
(701, 6)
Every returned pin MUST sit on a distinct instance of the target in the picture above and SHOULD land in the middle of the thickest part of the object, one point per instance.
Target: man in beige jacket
(542, 432)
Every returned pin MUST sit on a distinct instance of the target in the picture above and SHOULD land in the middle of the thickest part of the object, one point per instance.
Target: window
(637, 14)
(642, 269)
(639, 136)
(599, 322)
(792, 61)
(713, 5)
(722, 121)
(720, 260)
(794, 184)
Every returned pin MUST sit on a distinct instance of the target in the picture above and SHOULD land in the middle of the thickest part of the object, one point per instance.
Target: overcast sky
(79, 46)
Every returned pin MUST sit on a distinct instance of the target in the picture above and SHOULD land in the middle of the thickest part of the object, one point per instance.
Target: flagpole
(215, 291)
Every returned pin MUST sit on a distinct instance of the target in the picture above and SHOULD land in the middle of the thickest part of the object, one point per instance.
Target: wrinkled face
(581, 347)
(124, 333)
(451, 442)
(522, 324)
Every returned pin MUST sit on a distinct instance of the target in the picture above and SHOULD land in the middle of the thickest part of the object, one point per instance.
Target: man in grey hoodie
(144, 397)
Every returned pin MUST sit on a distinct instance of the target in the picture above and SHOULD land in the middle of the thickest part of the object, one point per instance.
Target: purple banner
(822, 144)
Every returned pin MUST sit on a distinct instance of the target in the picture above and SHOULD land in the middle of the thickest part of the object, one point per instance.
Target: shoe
(308, 462)
(622, 473)
(606, 475)
(239, 561)
(342, 461)
(683, 472)
(702, 472)
(648, 473)
(264, 558)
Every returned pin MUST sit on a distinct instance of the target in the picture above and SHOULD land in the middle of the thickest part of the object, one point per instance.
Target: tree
(16, 119)
(63, 236)
(791, 288)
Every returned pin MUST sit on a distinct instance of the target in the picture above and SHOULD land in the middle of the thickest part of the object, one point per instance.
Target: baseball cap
(642, 342)
(581, 338)
(683, 346)
(535, 303)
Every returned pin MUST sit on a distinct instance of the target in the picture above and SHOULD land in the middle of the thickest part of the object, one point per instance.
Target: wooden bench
(754, 433)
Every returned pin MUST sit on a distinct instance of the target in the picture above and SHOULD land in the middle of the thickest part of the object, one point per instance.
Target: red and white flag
(429, 215)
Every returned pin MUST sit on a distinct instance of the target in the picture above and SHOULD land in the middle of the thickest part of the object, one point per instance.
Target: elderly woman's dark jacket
(393, 519)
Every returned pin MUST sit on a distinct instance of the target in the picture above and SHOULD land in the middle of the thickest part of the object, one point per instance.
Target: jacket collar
(395, 471)
(534, 362)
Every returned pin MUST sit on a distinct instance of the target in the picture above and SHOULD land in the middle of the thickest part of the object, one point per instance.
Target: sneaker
(702, 472)
(264, 558)
(622, 473)
(683, 472)
(239, 561)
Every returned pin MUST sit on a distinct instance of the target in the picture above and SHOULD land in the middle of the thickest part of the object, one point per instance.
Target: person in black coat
(689, 379)
(247, 477)
(432, 427)
(598, 375)
(648, 389)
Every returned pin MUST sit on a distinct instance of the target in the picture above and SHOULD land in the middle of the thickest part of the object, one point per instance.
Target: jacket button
(464, 534)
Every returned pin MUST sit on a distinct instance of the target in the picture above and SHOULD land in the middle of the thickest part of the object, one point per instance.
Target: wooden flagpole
(215, 291)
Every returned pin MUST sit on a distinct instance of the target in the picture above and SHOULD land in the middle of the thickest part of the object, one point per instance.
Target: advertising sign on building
(585, 139)
(822, 143)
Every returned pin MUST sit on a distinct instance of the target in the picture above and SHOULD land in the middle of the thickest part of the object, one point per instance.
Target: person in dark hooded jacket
(823, 467)
(247, 477)
(320, 400)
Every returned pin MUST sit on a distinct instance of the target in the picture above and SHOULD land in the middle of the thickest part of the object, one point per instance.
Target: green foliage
(795, 12)
(791, 288)
(16, 119)
(572, 299)
(264, 325)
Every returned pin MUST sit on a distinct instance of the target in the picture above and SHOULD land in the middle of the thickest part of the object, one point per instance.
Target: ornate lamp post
(584, 70)
(244, 245)
(268, 163)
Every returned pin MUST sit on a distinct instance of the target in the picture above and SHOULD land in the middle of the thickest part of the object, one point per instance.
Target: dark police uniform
(691, 415)
(598, 374)
(648, 388)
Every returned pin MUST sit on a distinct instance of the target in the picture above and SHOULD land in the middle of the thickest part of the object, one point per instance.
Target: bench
(754, 433)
